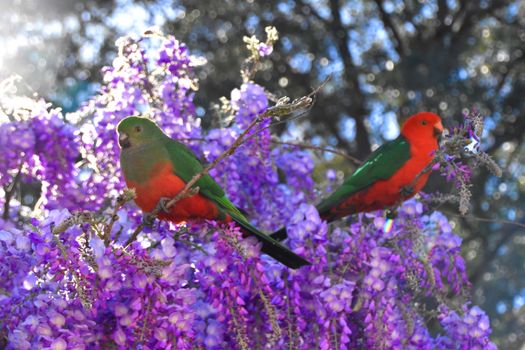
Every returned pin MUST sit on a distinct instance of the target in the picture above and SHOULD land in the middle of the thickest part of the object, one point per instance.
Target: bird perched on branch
(390, 175)
(158, 168)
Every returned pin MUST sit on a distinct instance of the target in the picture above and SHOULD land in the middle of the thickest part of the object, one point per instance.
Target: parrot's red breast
(164, 183)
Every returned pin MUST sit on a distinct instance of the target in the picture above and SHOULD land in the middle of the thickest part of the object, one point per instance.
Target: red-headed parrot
(158, 168)
(381, 182)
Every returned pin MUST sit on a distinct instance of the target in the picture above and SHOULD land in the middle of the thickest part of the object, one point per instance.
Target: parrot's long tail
(273, 248)
(284, 255)
(280, 235)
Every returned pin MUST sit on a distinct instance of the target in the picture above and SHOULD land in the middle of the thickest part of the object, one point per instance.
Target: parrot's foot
(162, 204)
(406, 191)
(391, 213)
(148, 219)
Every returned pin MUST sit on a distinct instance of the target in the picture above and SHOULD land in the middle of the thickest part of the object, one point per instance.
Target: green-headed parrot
(383, 179)
(158, 168)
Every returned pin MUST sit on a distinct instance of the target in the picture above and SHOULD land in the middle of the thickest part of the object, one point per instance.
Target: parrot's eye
(138, 128)
(424, 122)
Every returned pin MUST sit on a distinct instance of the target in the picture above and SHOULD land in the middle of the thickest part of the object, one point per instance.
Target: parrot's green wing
(380, 165)
(187, 165)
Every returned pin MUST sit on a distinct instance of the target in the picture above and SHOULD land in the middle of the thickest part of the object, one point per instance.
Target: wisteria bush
(79, 269)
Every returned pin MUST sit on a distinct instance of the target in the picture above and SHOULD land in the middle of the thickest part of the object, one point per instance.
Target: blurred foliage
(387, 59)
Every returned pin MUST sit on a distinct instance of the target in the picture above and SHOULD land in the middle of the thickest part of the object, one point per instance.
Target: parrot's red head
(422, 125)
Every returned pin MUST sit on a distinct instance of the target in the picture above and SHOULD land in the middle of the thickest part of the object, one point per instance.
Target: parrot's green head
(137, 131)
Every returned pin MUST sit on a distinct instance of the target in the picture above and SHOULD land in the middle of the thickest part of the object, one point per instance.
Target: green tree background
(387, 59)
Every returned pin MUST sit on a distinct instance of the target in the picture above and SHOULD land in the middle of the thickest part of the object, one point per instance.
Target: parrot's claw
(407, 190)
(391, 213)
(162, 204)
(148, 219)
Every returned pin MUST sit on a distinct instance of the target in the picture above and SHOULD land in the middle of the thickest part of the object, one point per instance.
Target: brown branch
(389, 24)
(122, 199)
(10, 191)
(302, 104)
(351, 75)
(185, 192)
(135, 234)
(148, 86)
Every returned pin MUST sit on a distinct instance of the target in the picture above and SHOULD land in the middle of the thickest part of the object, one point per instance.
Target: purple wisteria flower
(248, 102)
(468, 330)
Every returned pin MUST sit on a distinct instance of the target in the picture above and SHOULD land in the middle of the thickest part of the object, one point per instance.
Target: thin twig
(319, 148)
(148, 86)
(298, 104)
(478, 218)
(135, 234)
(84, 300)
(75, 219)
(145, 322)
(9, 191)
(112, 219)
(122, 199)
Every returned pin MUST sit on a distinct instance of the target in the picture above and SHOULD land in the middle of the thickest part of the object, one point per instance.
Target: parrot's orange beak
(438, 129)
(123, 140)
